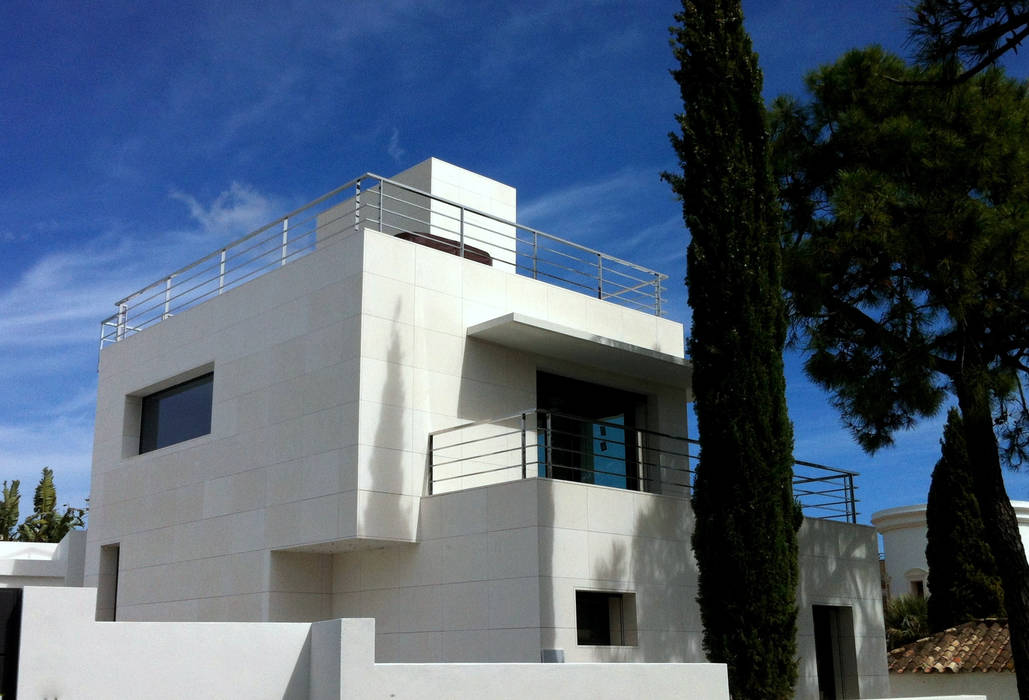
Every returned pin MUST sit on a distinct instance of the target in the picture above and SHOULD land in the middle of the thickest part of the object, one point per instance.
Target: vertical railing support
(524, 474)
(123, 312)
(550, 448)
(461, 228)
(382, 216)
(167, 298)
(285, 241)
(657, 294)
(600, 276)
(851, 504)
(430, 464)
(535, 255)
(221, 272)
(357, 206)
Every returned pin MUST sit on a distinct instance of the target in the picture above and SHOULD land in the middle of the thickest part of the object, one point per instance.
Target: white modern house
(398, 403)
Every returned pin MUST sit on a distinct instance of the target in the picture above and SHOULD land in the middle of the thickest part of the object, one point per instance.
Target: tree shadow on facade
(386, 514)
(648, 556)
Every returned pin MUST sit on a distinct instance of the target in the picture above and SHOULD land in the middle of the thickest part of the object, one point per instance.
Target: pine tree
(963, 580)
(907, 265)
(746, 517)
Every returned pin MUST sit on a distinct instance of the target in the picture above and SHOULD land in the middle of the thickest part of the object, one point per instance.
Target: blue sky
(136, 137)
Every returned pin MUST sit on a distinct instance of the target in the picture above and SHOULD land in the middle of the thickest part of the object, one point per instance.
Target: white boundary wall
(66, 654)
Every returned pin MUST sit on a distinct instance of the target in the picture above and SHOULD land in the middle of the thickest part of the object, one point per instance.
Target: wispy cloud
(394, 149)
(64, 445)
(237, 210)
(607, 211)
(49, 329)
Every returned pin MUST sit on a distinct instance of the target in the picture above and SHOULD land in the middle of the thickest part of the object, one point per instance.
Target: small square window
(179, 413)
(603, 618)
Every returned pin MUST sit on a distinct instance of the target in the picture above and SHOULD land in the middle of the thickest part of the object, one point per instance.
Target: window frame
(150, 418)
(620, 633)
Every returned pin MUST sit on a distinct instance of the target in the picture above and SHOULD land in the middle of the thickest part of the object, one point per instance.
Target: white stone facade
(310, 497)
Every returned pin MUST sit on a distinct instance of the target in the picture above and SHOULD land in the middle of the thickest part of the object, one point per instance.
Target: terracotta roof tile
(979, 645)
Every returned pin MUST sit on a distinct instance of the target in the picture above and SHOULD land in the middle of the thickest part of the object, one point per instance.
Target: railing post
(461, 227)
(851, 505)
(285, 240)
(430, 464)
(123, 312)
(549, 471)
(535, 255)
(657, 294)
(357, 206)
(221, 272)
(167, 298)
(523, 446)
(382, 217)
(600, 276)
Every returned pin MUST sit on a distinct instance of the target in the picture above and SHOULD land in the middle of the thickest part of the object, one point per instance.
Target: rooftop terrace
(390, 206)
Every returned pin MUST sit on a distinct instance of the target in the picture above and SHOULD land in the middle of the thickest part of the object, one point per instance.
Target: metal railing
(561, 446)
(391, 207)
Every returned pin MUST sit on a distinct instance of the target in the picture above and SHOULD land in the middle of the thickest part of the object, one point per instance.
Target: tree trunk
(998, 515)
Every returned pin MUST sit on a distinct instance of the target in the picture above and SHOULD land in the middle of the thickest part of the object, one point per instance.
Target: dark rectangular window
(605, 619)
(180, 413)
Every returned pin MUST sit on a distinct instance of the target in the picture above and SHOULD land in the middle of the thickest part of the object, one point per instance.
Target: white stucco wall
(495, 571)
(839, 567)
(65, 653)
(994, 686)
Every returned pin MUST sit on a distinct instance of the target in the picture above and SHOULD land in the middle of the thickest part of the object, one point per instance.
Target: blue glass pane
(180, 413)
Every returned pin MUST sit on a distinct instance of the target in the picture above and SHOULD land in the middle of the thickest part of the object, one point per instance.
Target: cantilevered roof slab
(540, 337)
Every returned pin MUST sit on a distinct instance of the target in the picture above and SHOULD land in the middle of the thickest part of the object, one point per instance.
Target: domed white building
(903, 530)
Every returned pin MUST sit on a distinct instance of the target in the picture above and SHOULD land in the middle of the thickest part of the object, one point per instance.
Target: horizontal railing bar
(634, 459)
(484, 471)
(477, 457)
(262, 229)
(493, 217)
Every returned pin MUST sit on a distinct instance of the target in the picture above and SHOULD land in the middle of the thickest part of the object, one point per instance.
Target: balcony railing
(392, 207)
(560, 446)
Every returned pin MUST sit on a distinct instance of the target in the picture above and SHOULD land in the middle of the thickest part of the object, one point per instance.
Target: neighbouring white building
(398, 403)
(903, 530)
(43, 564)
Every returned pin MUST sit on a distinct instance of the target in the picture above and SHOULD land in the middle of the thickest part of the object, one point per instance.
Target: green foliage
(746, 519)
(968, 35)
(963, 575)
(907, 620)
(907, 246)
(46, 524)
(907, 266)
(9, 510)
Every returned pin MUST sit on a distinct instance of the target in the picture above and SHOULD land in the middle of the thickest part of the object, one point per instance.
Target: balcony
(561, 446)
(395, 208)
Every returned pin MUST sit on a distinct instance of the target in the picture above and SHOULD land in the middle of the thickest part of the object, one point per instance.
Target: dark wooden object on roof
(447, 245)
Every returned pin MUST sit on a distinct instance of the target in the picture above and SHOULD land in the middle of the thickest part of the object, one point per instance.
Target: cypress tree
(963, 580)
(746, 517)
